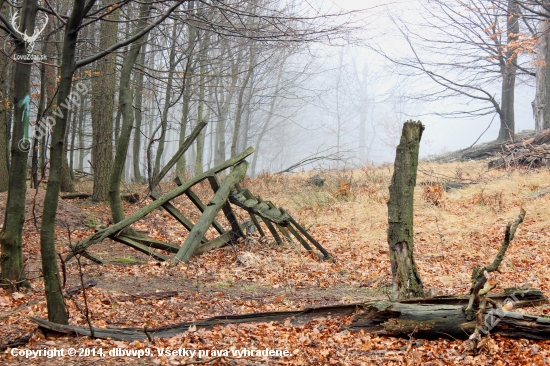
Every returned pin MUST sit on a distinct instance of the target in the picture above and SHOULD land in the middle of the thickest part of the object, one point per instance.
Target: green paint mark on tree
(26, 105)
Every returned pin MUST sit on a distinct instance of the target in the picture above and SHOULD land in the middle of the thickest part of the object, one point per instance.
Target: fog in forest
(327, 101)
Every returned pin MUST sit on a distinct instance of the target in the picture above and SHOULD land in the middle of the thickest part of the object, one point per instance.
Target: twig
(81, 275)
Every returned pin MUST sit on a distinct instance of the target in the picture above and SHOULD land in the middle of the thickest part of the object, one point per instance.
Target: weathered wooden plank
(257, 206)
(443, 321)
(138, 246)
(256, 223)
(102, 234)
(309, 237)
(149, 242)
(214, 206)
(175, 213)
(299, 237)
(91, 257)
(177, 156)
(221, 240)
(201, 206)
(227, 210)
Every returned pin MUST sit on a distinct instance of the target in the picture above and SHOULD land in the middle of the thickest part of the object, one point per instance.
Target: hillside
(455, 230)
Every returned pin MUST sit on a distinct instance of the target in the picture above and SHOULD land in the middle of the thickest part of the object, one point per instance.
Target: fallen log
(18, 342)
(148, 295)
(399, 319)
(131, 197)
(430, 321)
(74, 289)
(490, 149)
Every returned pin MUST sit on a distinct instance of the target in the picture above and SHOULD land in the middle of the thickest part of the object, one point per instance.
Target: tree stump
(406, 279)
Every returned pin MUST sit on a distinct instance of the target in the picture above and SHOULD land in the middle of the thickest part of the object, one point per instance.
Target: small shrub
(433, 195)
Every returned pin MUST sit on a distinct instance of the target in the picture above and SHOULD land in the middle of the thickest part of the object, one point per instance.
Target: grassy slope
(348, 216)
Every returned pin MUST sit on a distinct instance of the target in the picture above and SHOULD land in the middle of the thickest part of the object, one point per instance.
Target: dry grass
(451, 238)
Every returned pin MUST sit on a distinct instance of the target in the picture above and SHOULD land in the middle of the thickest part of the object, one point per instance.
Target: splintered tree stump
(406, 279)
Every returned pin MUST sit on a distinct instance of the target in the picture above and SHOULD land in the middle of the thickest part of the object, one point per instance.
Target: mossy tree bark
(11, 237)
(406, 279)
(4, 111)
(125, 104)
(54, 297)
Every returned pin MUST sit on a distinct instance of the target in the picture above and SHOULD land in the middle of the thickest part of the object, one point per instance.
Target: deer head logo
(29, 40)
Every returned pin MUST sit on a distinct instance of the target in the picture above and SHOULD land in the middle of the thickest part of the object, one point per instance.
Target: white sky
(441, 133)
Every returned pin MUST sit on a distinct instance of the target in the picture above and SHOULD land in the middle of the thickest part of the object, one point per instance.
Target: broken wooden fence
(226, 192)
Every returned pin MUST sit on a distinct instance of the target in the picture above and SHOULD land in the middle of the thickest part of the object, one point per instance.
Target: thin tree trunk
(67, 184)
(167, 98)
(11, 237)
(73, 132)
(406, 279)
(269, 117)
(125, 105)
(81, 124)
(541, 104)
(54, 297)
(507, 123)
(219, 155)
(138, 101)
(189, 70)
(200, 109)
(240, 104)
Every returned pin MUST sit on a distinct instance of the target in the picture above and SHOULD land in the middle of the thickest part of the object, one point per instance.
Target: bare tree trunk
(200, 108)
(138, 101)
(406, 279)
(541, 104)
(269, 117)
(507, 123)
(221, 124)
(167, 100)
(39, 115)
(364, 100)
(81, 124)
(11, 237)
(125, 105)
(189, 69)
(67, 184)
(103, 94)
(49, 79)
(54, 297)
(4, 112)
(240, 101)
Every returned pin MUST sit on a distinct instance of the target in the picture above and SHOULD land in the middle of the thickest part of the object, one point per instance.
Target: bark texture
(11, 237)
(406, 279)
(509, 70)
(103, 94)
(541, 104)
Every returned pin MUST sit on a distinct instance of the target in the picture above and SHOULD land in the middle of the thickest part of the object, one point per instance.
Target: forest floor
(454, 231)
